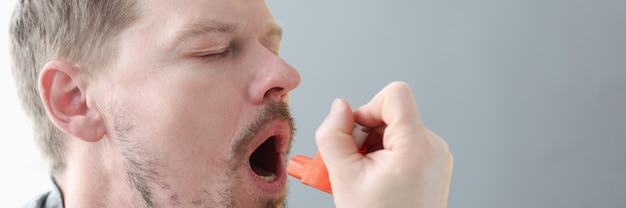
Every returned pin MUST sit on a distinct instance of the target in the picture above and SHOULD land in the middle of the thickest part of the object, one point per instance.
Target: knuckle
(320, 134)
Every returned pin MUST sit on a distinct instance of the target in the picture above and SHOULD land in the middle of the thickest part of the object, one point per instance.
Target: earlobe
(66, 102)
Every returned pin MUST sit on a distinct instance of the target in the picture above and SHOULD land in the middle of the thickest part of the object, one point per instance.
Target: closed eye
(214, 56)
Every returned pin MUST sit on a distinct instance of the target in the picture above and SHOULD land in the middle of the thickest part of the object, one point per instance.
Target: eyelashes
(214, 56)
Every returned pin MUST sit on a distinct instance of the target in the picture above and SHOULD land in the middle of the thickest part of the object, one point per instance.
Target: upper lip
(279, 130)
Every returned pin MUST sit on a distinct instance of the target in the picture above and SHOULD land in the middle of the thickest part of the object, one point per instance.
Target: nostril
(277, 93)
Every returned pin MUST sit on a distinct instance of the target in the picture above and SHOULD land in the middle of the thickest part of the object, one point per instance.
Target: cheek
(190, 124)
(190, 116)
(186, 118)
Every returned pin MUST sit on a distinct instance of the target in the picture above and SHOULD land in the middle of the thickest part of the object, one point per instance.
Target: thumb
(334, 137)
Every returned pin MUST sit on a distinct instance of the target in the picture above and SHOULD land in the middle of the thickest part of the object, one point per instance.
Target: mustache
(271, 112)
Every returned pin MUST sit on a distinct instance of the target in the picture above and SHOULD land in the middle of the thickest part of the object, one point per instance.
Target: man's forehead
(198, 17)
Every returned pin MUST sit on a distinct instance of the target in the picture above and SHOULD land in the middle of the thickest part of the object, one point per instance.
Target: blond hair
(81, 32)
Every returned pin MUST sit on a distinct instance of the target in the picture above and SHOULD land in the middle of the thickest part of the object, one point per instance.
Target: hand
(406, 165)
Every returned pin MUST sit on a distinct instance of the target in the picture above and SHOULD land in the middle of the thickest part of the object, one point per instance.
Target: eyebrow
(274, 29)
(199, 29)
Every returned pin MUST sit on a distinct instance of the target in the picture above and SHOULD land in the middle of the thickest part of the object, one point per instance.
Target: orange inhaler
(312, 171)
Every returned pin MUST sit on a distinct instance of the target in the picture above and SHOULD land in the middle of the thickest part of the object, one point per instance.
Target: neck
(94, 177)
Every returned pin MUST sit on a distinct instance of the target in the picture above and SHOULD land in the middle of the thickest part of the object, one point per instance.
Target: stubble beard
(144, 173)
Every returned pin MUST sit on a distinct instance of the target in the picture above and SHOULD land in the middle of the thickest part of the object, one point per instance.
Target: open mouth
(265, 160)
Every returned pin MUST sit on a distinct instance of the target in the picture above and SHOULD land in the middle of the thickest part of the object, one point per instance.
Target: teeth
(269, 178)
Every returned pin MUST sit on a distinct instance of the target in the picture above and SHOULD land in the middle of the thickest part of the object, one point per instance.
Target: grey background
(530, 95)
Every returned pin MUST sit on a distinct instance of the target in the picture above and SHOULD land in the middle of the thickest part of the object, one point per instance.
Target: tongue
(260, 171)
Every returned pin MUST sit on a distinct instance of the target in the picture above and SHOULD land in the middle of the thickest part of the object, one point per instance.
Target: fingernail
(337, 105)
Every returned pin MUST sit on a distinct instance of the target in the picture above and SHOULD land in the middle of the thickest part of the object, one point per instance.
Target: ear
(66, 103)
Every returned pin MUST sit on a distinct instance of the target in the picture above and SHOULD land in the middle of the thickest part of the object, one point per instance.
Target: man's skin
(195, 89)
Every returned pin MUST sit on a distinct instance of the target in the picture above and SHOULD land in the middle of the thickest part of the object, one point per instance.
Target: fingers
(334, 136)
(411, 167)
(394, 107)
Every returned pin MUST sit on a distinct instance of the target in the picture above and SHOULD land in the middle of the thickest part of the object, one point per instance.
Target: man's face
(196, 89)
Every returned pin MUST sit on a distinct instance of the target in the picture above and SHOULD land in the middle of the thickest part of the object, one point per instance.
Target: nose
(273, 77)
